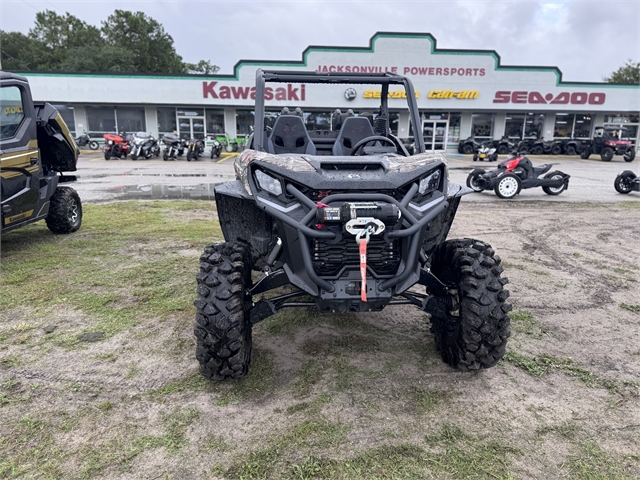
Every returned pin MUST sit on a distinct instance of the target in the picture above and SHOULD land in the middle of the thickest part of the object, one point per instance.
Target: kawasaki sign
(211, 89)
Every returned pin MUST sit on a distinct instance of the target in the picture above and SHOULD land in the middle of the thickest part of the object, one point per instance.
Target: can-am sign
(562, 98)
(210, 89)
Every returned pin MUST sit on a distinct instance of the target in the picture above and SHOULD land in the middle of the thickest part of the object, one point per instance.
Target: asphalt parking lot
(100, 180)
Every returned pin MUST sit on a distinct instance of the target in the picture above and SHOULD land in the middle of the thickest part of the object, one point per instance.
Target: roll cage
(382, 79)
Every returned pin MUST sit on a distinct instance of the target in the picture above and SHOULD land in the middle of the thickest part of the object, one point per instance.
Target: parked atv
(550, 147)
(514, 174)
(626, 182)
(36, 150)
(486, 152)
(504, 145)
(525, 146)
(354, 223)
(470, 145)
(606, 143)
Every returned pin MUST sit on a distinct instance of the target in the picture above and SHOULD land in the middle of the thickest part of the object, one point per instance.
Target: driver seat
(352, 131)
(289, 135)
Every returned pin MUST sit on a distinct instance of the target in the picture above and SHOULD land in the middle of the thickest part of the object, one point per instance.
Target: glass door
(435, 134)
(191, 127)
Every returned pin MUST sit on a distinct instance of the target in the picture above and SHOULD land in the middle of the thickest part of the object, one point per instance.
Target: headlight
(110, 142)
(268, 183)
(430, 183)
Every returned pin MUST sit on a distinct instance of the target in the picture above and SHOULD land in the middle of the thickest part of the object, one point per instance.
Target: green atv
(36, 149)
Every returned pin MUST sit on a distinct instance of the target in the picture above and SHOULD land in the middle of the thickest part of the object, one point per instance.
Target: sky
(585, 39)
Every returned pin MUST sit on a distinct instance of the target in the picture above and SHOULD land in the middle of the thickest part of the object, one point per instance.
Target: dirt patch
(353, 396)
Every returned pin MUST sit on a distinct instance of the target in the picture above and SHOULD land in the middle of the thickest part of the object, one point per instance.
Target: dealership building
(460, 93)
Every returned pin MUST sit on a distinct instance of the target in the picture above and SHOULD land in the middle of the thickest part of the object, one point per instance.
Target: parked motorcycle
(174, 146)
(85, 139)
(116, 145)
(144, 145)
(487, 151)
(196, 148)
(216, 148)
(517, 173)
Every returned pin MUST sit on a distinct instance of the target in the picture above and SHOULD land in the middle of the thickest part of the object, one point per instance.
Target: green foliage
(629, 73)
(126, 42)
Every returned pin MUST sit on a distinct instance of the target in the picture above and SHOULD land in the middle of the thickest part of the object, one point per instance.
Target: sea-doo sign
(211, 89)
(562, 98)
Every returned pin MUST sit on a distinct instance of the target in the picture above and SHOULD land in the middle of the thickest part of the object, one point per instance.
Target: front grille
(328, 259)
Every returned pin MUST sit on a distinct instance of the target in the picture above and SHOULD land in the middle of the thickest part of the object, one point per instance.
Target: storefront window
(166, 120)
(244, 122)
(513, 126)
(215, 121)
(534, 125)
(131, 119)
(453, 136)
(620, 118)
(563, 125)
(101, 120)
(317, 120)
(482, 125)
(582, 126)
(66, 111)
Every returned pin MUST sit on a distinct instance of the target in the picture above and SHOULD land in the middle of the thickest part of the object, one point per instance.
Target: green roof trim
(316, 48)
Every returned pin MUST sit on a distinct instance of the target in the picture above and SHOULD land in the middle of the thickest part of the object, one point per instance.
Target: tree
(202, 67)
(16, 51)
(151, 46)
(55, 35)
(629, 74)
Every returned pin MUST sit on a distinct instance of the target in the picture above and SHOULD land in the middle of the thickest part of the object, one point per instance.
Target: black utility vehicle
(36, 149)
(607, 143)
(517, 173)
(344, 220)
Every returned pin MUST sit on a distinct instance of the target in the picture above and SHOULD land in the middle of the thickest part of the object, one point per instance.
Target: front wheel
(502, 149)
(134, 156)
(554, 190)
(556, 150)
(189, 156)
(467, 149)
(473, 180)
(471, 332)
(607, 154)
(165, 156)
(585, 153)
(93, 145)
(571, 150)
(223, 327)
(65, 211)
(624, 181)
(629, 155)
(508, 186)
(107, 154)
(537, 150)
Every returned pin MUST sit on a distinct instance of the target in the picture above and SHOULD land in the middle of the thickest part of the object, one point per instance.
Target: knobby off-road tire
(585, 153)
(477, 336)
(65, 211)
(467, 149)
(570, 150)
(607, 154)
(222, 328)
(629, 155)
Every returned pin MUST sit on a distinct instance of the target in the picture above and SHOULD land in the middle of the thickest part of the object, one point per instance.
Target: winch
(361, 219)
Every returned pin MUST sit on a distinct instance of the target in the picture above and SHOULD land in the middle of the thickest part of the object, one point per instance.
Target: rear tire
(629, 155)
(607, 154)
(571, 150)
(474, 336)
(537, 150)
(554, 190)
(556, 150)
(65, 211)
(223, 328)
(472, 180)
(502, 149)
(508, 186)
(624, 181)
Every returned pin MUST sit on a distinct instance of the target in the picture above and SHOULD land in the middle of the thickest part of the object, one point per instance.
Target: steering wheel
(376, 138)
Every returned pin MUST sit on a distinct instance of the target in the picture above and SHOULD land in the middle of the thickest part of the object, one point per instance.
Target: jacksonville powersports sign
(443, 79)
